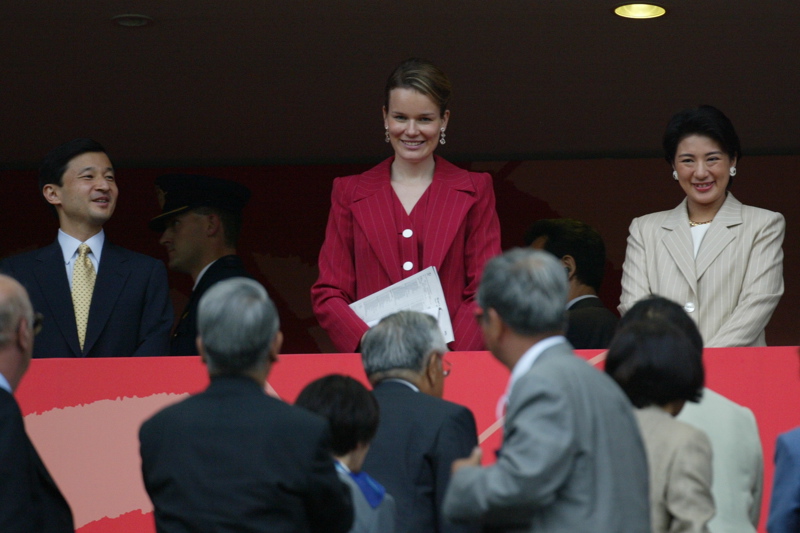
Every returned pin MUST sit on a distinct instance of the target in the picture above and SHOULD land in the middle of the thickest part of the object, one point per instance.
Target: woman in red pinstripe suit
(411, 211)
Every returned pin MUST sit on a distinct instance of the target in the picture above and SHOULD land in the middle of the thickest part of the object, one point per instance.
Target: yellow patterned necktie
(82, 288)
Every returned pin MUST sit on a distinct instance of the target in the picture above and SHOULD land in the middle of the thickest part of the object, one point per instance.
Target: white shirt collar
(528, 358)
(404, 382)
(579, 298)
(69, 245)
(4, 384)
(200, 275)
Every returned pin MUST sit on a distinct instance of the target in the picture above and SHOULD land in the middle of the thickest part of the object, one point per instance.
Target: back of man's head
(528, 290)
(402, 342)
(15, 351)
(237, 325)
(566, 236)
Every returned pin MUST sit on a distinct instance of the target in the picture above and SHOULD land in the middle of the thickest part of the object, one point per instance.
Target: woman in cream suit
(659, 369)
(718, 258)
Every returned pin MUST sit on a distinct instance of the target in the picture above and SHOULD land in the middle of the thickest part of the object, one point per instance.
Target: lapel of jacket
(372, 209)
(719, 234)
(111, 277)
(51, 275)
(451, 197)
(678, 242)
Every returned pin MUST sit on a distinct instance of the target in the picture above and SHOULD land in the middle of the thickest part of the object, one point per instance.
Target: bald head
(16, 330)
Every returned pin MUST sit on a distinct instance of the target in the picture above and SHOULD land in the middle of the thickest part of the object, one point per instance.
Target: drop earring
(387, 135)
(441, 136)
(675, 175)
(732, 171)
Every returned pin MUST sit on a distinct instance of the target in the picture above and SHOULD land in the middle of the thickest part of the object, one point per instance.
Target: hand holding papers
(421, 292)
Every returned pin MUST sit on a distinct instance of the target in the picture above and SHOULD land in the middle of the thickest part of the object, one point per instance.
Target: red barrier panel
(84, 414)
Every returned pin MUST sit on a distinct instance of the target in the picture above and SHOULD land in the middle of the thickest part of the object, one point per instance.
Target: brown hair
(423, 77)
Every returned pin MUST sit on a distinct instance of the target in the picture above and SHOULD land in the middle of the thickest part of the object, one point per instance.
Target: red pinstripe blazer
(361, 253)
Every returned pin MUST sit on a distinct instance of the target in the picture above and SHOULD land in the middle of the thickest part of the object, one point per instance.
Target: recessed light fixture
(640, 11)
(132, 20)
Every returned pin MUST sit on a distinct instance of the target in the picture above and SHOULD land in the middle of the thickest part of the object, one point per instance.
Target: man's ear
(200, 350)
(25, 337)
(213, 224)
(493, 327)
(431, 369)
(569, 263)
(275, 348)
(51, 194)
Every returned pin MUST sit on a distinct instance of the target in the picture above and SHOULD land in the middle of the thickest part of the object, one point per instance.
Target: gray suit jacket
(572, 457)
(738, 461)
(730, 289)
(679, 457)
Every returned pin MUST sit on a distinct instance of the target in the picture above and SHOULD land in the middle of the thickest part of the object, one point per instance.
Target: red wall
(83, 415)
(285, 221)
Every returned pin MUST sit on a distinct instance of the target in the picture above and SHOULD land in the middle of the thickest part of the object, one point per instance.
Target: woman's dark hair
(659, 307)
(423, 77)
(707, 121)
(351, 410)
(655, 363)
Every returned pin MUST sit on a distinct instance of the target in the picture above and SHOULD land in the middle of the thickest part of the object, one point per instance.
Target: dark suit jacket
(131, 313)
(590, 325)
(183, 340)
(418, 439)
(784, 508)
(234, 459)
(29, 498)
(362, 250)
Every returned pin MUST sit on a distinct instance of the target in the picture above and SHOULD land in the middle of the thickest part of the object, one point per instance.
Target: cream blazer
(679, 459)
(738, 460)
(730, 289)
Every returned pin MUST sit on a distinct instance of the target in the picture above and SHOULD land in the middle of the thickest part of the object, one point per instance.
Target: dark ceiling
(270, 81)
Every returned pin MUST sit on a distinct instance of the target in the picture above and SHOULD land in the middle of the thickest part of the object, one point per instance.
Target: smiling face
(414, 122)
(87, 196)
(703, 172)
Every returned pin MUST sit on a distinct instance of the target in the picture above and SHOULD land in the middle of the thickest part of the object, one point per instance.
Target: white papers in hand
(421, 292)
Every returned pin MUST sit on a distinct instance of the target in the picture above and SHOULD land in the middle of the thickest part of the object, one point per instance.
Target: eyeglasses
(38, 320)
(447, 367)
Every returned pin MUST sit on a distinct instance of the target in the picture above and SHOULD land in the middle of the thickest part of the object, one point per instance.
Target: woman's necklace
(692, 223)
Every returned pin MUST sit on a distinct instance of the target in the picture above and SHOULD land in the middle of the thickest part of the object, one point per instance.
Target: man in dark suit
(120, 304)
(572, 457)
(200, 223)
(29, 498)
(232, 458)
(582, 251)
(419, 434)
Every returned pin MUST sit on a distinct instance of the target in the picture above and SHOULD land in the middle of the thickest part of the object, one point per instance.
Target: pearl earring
(441, 136)
(732, 172)
(387, 135)
(675, 175)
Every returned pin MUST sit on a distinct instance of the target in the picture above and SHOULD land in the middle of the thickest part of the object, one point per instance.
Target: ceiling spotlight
(640, 11)
(132, 20)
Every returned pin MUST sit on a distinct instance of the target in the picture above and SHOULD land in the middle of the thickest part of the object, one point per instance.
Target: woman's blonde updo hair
(423, 77)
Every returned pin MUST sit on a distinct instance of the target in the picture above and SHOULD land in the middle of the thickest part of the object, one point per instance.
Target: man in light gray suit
(572, 458)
